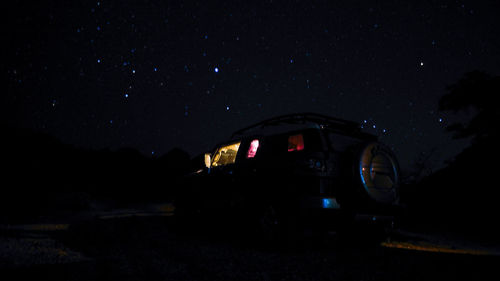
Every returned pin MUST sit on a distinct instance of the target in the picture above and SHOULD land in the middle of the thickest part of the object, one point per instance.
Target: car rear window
(296, 142)
(293, 142)
(252, 149)
(312, 141)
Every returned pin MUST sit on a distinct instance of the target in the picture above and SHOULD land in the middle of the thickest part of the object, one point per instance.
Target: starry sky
(154, 75)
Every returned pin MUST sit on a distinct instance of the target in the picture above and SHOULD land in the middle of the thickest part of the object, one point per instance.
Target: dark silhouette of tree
(478, 91)
(464, 194)
(422, 166)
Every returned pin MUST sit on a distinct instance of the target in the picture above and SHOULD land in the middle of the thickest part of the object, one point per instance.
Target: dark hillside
(43, 175)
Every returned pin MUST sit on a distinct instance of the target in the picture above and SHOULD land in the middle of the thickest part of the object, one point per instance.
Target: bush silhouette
(465, 193)
(43, 175)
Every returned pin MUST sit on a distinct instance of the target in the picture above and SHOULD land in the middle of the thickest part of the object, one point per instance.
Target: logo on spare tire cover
(379, 173)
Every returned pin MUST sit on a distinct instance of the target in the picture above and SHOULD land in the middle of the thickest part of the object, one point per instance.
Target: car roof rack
(304, 118)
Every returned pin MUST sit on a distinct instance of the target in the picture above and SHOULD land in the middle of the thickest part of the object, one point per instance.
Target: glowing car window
(225, 154)
(295, 143)
(252, 150)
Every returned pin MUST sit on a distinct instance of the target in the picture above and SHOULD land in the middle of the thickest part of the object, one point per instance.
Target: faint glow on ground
(20, 251)
(160, 210)
(167, 208)
(428, 247)
(128, 215)
(37, 227)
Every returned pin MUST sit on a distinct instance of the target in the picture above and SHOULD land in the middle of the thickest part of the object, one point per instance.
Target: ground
(145, 244)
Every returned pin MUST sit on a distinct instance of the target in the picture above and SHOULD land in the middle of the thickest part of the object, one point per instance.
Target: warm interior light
(207, 160)
(252, 150)
(295, 143)
(226, 154)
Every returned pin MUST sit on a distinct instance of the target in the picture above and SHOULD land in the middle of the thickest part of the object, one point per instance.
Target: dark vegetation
(464, 195)
(42, 176)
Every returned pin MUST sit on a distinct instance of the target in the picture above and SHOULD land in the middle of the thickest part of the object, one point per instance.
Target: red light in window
(295, 143)
(252, 150)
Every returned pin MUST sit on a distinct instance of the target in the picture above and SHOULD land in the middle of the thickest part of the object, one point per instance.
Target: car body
(309, 166)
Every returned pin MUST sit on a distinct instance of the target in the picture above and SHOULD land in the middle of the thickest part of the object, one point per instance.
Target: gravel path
(149, 247)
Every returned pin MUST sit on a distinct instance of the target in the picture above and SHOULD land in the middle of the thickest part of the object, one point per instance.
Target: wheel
(277, 226)
(269, 224)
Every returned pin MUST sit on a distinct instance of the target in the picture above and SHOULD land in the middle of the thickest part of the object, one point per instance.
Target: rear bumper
(375, 219)
(328, 212)
(318, 202)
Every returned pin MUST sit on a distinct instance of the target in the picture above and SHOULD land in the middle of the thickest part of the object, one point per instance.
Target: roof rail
(302, 118)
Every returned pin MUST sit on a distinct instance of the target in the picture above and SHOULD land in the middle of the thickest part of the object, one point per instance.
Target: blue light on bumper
(330, 203)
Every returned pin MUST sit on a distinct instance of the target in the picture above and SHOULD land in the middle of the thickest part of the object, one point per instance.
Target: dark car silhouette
(295, 169)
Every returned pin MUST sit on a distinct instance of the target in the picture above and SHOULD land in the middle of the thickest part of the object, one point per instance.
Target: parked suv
(295, 169)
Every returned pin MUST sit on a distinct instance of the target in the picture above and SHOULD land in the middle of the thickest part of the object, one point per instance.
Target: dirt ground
(148, 246)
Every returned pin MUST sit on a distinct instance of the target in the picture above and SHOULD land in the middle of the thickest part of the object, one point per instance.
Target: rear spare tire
(377, 171)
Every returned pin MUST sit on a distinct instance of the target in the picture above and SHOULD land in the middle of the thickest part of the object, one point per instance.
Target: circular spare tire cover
(379, 173)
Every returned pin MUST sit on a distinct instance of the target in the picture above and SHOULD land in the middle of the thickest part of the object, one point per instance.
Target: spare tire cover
(379, 173)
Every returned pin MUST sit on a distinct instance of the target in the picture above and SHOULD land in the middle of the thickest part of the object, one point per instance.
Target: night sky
(154, 75)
